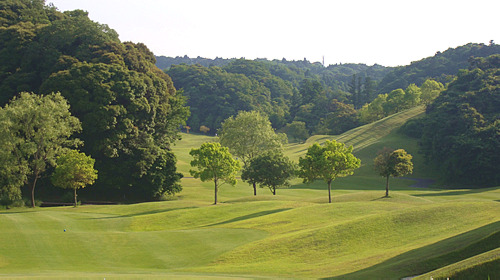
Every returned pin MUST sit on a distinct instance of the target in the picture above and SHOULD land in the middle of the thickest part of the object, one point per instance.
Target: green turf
(295, 234)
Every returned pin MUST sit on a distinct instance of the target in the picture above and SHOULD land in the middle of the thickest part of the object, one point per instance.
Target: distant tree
(430, 91)
(249, 134)
(271, 169)
(74, 170)
(35, 130)
(327, 162)
(214, 163)
(392, 163)
(297, 131)
(204, 129)
(412, 96)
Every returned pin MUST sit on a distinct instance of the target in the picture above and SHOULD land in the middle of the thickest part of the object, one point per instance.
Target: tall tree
(328, 162)
(214, 163)
(248, 135)
(271, 169)
(74, 170)
(37, 128)
(392, 163)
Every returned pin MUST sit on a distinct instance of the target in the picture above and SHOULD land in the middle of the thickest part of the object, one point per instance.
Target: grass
(295, 234)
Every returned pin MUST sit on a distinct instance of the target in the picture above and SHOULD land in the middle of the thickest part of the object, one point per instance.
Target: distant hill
(441, 67)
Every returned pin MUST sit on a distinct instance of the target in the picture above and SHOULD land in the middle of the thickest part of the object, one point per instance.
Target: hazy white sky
(386, 32)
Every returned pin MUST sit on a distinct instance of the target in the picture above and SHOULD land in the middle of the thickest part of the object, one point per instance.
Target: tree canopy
(213, 162)
(459, 134)
(249, 134)
(393, 163)
(74, 170)
(129, 109)
(271, 169)
(327, 162)
(34, 130)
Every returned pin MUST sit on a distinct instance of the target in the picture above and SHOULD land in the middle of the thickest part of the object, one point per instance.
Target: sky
(384, 32)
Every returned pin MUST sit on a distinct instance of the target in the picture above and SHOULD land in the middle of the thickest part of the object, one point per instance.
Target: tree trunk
(330, 191)
(254, 189)
(215, 181)
(33, 190)
(75, 198)
(387, 187)
(274, 190)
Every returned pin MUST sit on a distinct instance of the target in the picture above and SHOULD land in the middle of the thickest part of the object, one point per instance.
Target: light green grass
(295, 234)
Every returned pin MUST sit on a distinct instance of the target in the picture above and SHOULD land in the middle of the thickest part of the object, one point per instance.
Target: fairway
(295, 234)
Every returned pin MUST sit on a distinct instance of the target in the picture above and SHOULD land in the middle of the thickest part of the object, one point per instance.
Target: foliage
(461, 127)
(204, 129)
(249, 134)
(327, 162)
(129, 109)
(271, 169)
(35, 129)
(296, 130)
(74, 170)
(392, 163)
(214, 163)
(440, 67)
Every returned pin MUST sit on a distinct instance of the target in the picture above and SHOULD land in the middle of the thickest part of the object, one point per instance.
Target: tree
(35, 129)
(74, 170)
(296, 131)
(214, 162)
(328, 162)
(392, 163)
(204, 129)
(271, 169)
(430, 91)
(248, 135)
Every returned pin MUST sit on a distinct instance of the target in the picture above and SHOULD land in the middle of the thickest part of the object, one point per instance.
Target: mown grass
(295, 234)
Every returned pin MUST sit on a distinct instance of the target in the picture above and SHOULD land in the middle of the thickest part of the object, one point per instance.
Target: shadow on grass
(454, 192)
(250, 216)
(433, 256)
(144, 213)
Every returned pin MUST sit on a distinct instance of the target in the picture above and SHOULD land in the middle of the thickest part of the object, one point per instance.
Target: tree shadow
(433, 256)
(249, 216)
(143, 213)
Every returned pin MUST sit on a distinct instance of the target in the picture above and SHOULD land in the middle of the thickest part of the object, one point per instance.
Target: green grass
(295, 234)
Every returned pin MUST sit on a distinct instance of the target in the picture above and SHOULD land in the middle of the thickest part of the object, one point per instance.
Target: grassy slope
(293, 234)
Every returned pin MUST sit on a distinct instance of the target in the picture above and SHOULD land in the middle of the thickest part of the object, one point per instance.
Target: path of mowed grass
(294, 234)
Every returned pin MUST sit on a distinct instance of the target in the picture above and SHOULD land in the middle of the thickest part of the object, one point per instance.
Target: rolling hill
(294, 234)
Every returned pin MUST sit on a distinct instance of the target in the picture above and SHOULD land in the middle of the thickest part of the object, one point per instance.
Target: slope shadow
(433, 256)
(249, 216)
(143, 213)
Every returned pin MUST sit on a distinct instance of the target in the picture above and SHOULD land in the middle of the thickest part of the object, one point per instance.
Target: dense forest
(304, 98)
(130, 112)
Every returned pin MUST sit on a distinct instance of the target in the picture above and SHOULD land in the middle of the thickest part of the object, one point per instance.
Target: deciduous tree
(35, 129)
(393, 163)
(214, 163)
(328, 162)
(74, 170)
(249, 134)
(271, 169)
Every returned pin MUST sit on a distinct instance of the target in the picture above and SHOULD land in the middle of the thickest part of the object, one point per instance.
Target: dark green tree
(393, 163)
(271, 169)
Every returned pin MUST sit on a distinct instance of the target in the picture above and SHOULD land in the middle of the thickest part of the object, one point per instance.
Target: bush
(412, 128)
